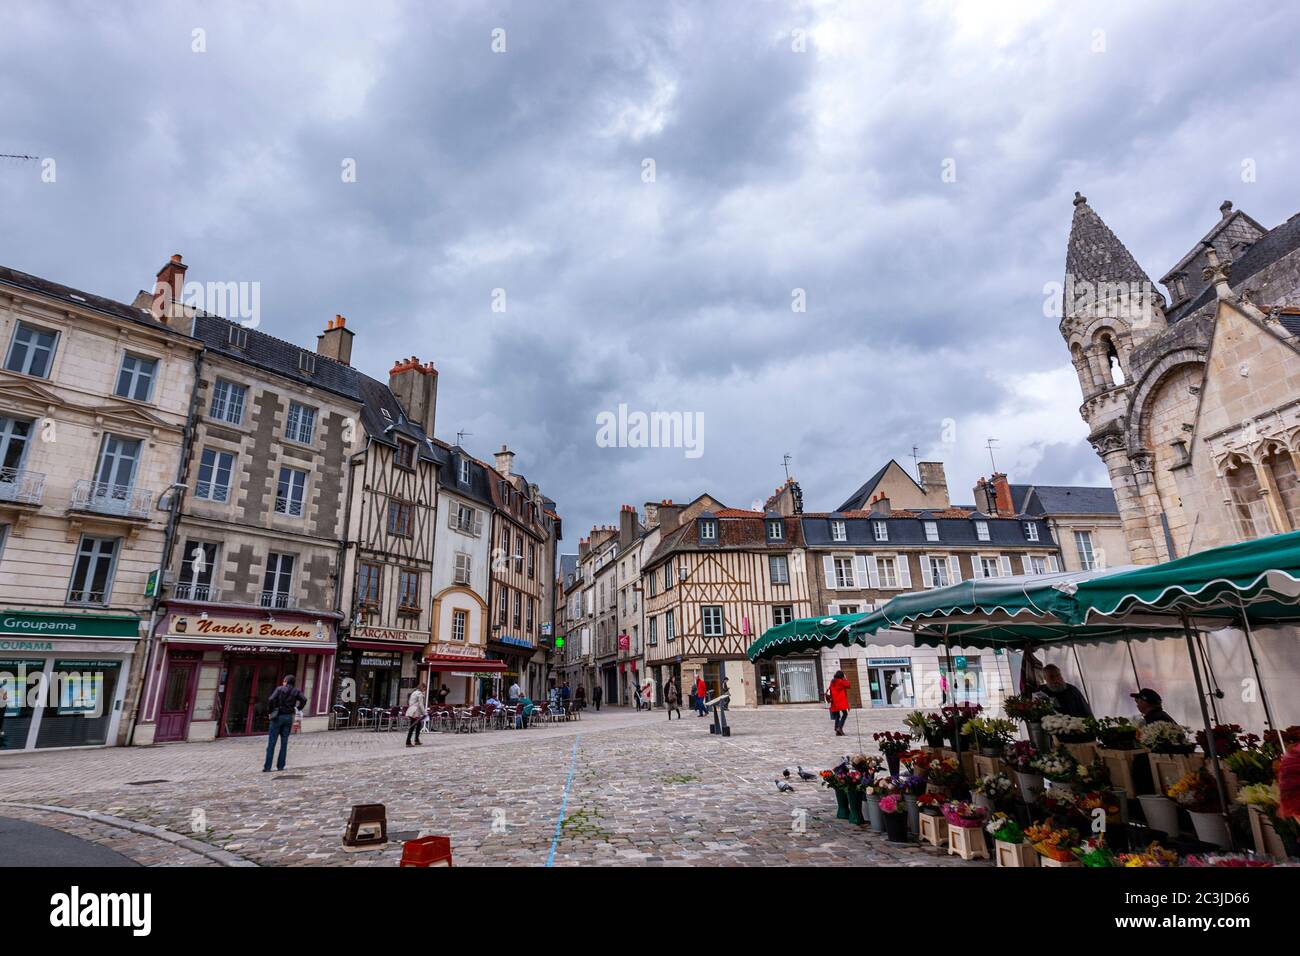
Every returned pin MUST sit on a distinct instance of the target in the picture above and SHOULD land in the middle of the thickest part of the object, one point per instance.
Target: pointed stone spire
(1094, 253)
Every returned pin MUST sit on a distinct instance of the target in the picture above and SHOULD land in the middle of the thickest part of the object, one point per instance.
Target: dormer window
(405, 454)
(708, 529)
(982, 530)
(307, 363)
(932, 531)
(464, 471)
(775, 530)
(839, 532)
(1031, 531)
(238, 336)
(881, 530)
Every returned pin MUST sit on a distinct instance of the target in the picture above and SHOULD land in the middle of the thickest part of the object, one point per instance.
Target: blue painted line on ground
(564, 804)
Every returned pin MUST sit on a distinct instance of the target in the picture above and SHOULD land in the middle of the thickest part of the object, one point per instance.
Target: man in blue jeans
(285, 699)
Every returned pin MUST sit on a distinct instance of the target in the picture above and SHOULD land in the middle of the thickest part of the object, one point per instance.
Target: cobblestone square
(612, 789)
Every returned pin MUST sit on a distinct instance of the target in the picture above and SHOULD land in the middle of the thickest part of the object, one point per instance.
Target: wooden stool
(967, 842)
(934, 829)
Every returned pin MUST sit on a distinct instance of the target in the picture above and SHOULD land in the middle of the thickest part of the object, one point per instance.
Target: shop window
(80, 705)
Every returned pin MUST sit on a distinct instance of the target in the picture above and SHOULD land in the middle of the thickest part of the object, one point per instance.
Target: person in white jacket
(415, 711)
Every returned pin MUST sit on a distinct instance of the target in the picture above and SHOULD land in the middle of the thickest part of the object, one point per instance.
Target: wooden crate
(1084, 753)
(934, 829)
(1048, 861)
(1267, 842)
(1015, 854)
(1119, 764)
(987, 766)
(1168, 769)
(968, 843)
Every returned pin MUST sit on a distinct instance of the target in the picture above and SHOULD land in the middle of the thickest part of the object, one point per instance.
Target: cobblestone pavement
(618, 788)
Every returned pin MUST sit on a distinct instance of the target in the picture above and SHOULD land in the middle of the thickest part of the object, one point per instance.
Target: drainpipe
(177, 489)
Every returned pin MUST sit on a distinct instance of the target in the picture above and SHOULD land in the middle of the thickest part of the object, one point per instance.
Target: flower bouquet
(1027, 708)
(1062, 805)
(1227, 739)
(1198, 793)
(954, 718)
(892, 745)
(930, 803)
(1004, 829)
(1009, 847)
(1067, 729)
(958, 813)
(1091, 776)
(866, 764)
(1053, 842)
(910, 783)
(1114, 733)
(1022, 755)
(992, 789)
(927, 727)
(894, 811)
(990, 734)
(945, 775)
(1153, 855)
(1165, 737)
(1094, 852)
(1056, 766)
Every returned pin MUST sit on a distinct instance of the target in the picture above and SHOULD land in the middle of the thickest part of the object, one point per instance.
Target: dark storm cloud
(775, 171)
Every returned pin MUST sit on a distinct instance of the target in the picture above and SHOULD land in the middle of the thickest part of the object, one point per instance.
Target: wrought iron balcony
(278, 599)
(196, 592)
(21, 487)
(101, 497)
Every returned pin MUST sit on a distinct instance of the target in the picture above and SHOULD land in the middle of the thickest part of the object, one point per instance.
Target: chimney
(168, 290)
(651, 514)
(336, 341)
(627, 526)
(880, 506)
(505, 459)
(669, 515)
(935, 483)
(584, 547)
(1003, 505)
(1225, 210)
(416, 387)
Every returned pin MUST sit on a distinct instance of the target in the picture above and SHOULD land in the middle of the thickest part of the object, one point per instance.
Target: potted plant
(1009, 846)
(1114, 733)
(1055, 844)
(927, 727)
(1022, 755)
(892, 745)
(1058, 768)
(894, 812)
(910, 787)
(1031, 710)
(1198, 793)
(991, 735)
(992, 790)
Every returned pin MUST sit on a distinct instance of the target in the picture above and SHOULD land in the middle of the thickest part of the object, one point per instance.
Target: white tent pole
(1254, 663)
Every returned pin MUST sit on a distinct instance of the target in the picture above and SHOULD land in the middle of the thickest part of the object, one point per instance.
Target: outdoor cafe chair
(364, 717)
(339, 717)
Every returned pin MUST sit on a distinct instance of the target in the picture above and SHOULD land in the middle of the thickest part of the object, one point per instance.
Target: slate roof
(1274, 245)
(745, 532)
(1044, 500)
(908, 530)
(860, 497)
(1094, 253)
(85, 300)
(449, 457)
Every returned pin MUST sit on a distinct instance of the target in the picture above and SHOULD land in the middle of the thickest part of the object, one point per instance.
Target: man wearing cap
(1149, 706)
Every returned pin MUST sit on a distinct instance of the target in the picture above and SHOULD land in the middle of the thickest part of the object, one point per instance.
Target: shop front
(212, 676)
(790, 680)
(515, 653)
(64, 678)
(378, 666)
(466, 672)
(890, 681)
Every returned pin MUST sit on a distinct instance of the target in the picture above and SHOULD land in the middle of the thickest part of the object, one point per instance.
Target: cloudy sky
(909, 166)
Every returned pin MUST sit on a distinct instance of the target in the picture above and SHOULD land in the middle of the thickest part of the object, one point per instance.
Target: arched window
(1282, 465)
(1115, 369)
(1246, 500)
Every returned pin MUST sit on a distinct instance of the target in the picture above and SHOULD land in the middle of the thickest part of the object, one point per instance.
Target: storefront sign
(367, 633)
(227, 627)
(380, 659)
(888, 661)
(69, 625)
(457, 650)
(514, 641)
(624, 642)
(26, 645)
(259, 649)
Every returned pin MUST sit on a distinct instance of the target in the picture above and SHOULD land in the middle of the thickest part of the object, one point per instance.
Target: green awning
(1260, 579)
(803, 634)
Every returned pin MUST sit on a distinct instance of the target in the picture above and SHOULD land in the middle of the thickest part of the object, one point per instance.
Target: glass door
(240, 682)
(268, 676)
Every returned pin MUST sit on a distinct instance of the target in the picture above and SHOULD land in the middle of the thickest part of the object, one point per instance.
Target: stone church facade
(1192, 396)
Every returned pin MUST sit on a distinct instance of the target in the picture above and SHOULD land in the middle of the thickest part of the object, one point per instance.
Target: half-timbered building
(718, 578)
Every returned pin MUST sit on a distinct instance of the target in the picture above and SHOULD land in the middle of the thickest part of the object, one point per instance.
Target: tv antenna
(990, 445)
(460, 437)
(916, 467)
(785, 463)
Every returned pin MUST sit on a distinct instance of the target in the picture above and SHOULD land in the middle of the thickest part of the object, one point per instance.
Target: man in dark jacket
(1065, 697)
(1150, 706)
(285, 700)
(597, 693)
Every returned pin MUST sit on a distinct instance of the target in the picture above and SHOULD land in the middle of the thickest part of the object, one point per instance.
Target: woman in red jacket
(838, 695)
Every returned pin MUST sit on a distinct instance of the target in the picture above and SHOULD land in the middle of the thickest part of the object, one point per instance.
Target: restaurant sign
(391, 634)
(457, 650)
(227, 627)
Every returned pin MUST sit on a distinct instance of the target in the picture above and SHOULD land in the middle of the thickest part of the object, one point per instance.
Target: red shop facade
(213, 667)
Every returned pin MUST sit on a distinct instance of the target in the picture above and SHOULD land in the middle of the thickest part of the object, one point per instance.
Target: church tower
(1110, 309)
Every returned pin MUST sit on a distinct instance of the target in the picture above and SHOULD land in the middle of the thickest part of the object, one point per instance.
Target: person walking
(284, 703)
(701, 695)
(636, 696)
(597, 693)
(647, 695)
(580, 697)
(415, 711)
(726, 693)
(672, 700)
(838, 696)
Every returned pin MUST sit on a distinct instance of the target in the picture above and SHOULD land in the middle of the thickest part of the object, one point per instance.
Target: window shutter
(904, 572)
(927, 577)
(1051, 563)
(1005, 561)
(478, 523)
(860, 571)
(873, 571)
(832, 609)
(451, 515)
(954, 568)
(1027, 564)
(828, 571)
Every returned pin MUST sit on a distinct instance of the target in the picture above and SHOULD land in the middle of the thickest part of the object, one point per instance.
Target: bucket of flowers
(990, 734)
(1171, 755)
(1095, 852)
(892, 745)
(1009, 846)
(867, 764)
(1067, 729)
(931, 803)
(1057, 768)
(1198, 793)
(877, 789)
(1153, 855)
(910, 787)
(838, 781)
(1022, 755)
(894, 812)
(1031, 710)
(1227, 739)
(954, 718)
(959, 813)
(1055, 844)
(927, 727)
(1062, 806)
(992, 790)
(945, 776)
(1114, 733)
